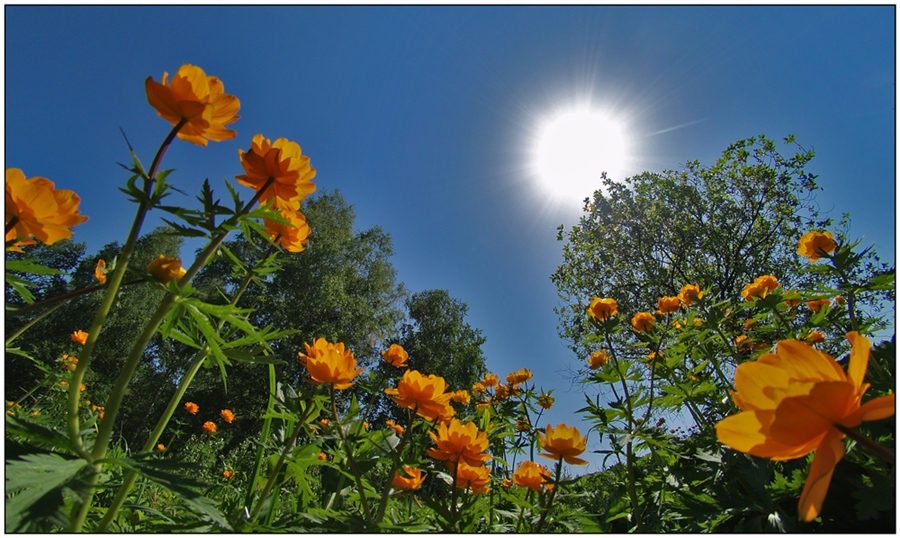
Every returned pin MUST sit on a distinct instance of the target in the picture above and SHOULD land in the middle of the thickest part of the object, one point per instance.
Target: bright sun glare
(574, 147)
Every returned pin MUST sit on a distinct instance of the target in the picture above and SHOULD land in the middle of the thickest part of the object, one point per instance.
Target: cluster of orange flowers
(209, 427)
(501, 391)
(462, 449)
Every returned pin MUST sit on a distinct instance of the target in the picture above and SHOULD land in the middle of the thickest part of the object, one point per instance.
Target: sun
(574, 147)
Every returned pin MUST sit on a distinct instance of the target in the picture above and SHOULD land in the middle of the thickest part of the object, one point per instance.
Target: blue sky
(425, 118)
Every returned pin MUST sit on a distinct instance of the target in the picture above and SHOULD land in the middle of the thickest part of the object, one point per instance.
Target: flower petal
(827, 456)
(859, 358)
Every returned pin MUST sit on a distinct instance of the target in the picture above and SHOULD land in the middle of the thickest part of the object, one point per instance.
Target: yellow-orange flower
(209, 427)
(412, 480)
(459, 441)
(814, 245)
(329, 364)
(667, 305)
(395, 355)
(478, 389)
(160, 447)
(602, 309)
(490, 380)
(817, 305)
(322, 456)
(563, 443)
(69, 362)
(690, 293)
(476, 477)
(545, 400)
(815, 337)
(793, 402)
(461, 396)
(768, 281)
(507, 483)
(598, 359)
(36, 209)
(227, 474)
(283, 163)
(197, 98)
(191, 408)
(759, 288)
(426, 395)
(100, 271)
(749, 324)
(522, 424)
(398, 429)
(531, 475)
(79, 337)
(643, 321)
(226, 415)
(166, 269)
(291, 236)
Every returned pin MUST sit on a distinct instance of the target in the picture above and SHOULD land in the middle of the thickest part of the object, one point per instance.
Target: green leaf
(33, 478)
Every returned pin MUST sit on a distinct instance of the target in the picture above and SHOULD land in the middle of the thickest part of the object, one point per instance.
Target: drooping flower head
(395, 355)
(643, 321)
(793, 401)
(283, 163)
(411, 479)
(329, 364)
(814, 245)
(598, 359)
(459, 442)
(667, 305)
(427, 395)
(291, 236)
(197, 98)
(166, 269)
(531, 475)
(690, 293)
(602, 309)
(79, 337)
(41, 212)
(563, 443)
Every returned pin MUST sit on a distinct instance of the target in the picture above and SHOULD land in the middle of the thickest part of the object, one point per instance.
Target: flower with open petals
(395, 355)
(166, 269)
(759, 288)
(283, 163)
(817, 305)
(798, 400)
(329, 364)
(690, 293)
(476, 477)
(209, 427)
(227, 474)
(643, 321)
(410, 479)
(459, 441)
(598, 359)
(563, 443)
(197, 98)
(668, 305)
(291, 236)
(227, 415)
(461, 396)
(79, 337)
(602, 309)
(545, 400)
(814, 245)
(426, 395)
(36, 209)
(191, 408)
(531, 475)
(490, 380)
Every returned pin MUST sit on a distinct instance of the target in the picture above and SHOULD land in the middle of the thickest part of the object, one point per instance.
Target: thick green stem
(352, 460)
(546, 511)
(263, 436)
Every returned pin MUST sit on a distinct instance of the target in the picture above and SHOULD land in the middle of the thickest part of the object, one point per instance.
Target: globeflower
(598, 359)
(281, 162)
(227, 474)
(643, 321)
(476, 477)
(817, 305)
(490, 380)
(759, 288)
(36, 209)
(166, 269)
(411, 481)
(459, 442)
(814, 245)
(329, 364)
(291, 236)
(191, 408)
(100, 271)
(798, 400)
(426, 395)
(226, 415)
(690, 293)
(563, 443)
(545, 400)
(79, 337)
(602, 309)
(209, 427)
(668, 305)
(519, 376)
(461, 396)
(395, 355)
(198, 99)
(531, 475)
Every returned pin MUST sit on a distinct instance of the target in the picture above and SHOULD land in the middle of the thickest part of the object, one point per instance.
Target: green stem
(284, 454)
(32, 322)
(883, 453)
(70, 295)
(382, 505)
(264, 435)
(546, 511)
(352, 460)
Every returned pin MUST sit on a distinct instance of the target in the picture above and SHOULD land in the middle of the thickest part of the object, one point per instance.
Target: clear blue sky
(424, 118)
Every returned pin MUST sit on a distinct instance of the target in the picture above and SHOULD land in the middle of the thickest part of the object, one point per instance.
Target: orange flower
(643, 321)
(191, 408)
(411, 479)
(35, 208)
(795, 401)
(79, 337)
(398, 429)
(598, 359)
(563, 443)
(209, 427)
(166, 269)
(814, 245)
(468, 476)
(100, 271)
(519, 376)
(817, 305)
(322, 456)
(160, 447)
(522, 424)
(749, 324)
(283, 163)
(323, 422)
(507, 483)
(690, 293)
(226, 415)
(395, 355)
(197, 98)
(478, 389)
(461, 396)
(227, 474)
(667, 305)
(743, 343)
(815, 337)
(503, 391)
(459, 442)
(291, 236)
(426, 395)
(545, 400)
(602, 309)
(69, 362)
(329, 364)
(768, 281)
(531, 475)
(759, 288)
(490, 380)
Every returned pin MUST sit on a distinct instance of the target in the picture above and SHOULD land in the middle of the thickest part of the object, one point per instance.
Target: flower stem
(546, 511)
(263, 436)
(70, 295)
(382, 505)
(883, 453)
(356, 473)
(32, 322)
(11, 224)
